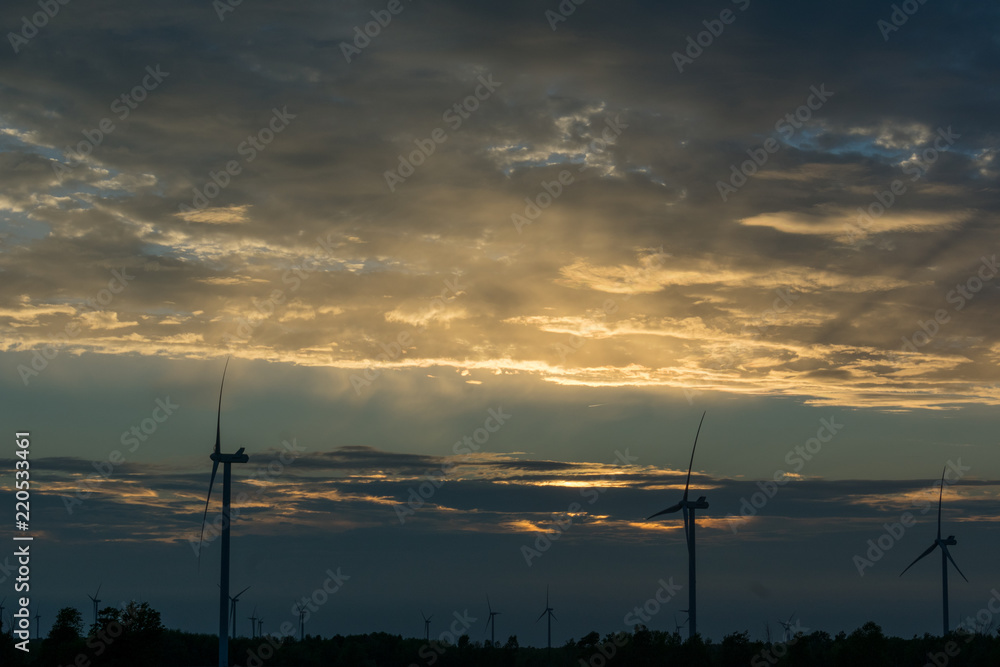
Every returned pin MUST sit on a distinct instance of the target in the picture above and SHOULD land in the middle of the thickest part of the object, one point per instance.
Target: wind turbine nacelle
(951, 541)
(238, 457)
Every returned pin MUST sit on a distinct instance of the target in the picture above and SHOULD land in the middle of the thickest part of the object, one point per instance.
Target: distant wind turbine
(678, 626)
(688, 507)
(787, 625)
(491, 622)
(232, 606)
(945, 557)
(302, 624)
(37, 617)
(96, 601)
(227, 460)
(260, 626)
(548, 611)
(427, 626)
(253, 623)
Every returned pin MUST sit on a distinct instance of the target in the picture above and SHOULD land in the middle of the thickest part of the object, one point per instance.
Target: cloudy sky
(558, 232)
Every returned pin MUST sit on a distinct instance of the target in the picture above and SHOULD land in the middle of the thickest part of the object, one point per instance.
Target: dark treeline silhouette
(134, 637)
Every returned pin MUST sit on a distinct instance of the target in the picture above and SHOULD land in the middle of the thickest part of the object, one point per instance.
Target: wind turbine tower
(548, 612)
(491, 622)
(427, 625)
(96, 601)
(688, 507)
(945, 557)
(226, 460)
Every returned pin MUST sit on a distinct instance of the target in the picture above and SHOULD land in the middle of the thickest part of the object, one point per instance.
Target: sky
(479, 269)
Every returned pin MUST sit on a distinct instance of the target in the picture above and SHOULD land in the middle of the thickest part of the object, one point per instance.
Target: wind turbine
(96, 601)
(427, 626)
(37, 616)
(491, 621)
(253, 623)
(678, 626)
(227, 460)
(302, 624)
(945, 557)
(688, 507)
(232, 607)
(548, 611)
(260, 626)
(787, 625)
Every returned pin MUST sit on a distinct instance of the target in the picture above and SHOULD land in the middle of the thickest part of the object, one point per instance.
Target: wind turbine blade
(218, 422)
(488, 605)
(242, 592)
(940, 496)
(540, 615)
(98, 590)
(929, 549)
(553, 614)
(948, 554)
(669, 510)
(204, 518)
(691, 464)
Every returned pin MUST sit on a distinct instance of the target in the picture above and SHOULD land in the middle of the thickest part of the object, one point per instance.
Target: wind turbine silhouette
(96, 601)
(260, 626)
(787, 625)
(232, 607)
(945, 557)
(302, 624)
(227, 460)
(688, 507)
(253, 623)
(678, 626)
(548, 611)
(427, 625)
(491, 620)
(37, 616)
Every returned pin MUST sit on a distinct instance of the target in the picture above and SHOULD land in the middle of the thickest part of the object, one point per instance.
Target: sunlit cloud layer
(255, 218)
